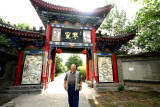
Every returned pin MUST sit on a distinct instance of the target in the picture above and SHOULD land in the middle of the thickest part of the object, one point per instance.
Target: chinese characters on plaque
(105, 69)
(74, 35)
(71, 35)
(68, 34)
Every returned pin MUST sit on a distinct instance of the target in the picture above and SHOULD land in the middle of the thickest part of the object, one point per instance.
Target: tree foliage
(145, 1)
(115, 22)
(82, 70)
(73, 59)
(148, 23)
(23, 25)
(2, 20)
(59, 66)
(4, 41)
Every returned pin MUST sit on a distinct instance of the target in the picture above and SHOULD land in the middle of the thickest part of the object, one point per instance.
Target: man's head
(73, 67)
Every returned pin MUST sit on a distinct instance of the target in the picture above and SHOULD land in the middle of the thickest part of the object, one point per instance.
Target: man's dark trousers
(73, 96)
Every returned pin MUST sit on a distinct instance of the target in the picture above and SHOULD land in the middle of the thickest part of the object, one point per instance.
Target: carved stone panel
(105, 69)
(32, 69)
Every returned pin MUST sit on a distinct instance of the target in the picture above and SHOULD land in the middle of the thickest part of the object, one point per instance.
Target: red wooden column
(53, 65)
(115, 68)
(46, 56)
(19, 68)
(87, 67)
(95, 76)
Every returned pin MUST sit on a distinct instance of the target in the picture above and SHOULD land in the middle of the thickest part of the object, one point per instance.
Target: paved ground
(4, 98)
(54, 96)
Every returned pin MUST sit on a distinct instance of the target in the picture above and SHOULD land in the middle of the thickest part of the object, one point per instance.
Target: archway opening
(59, 64)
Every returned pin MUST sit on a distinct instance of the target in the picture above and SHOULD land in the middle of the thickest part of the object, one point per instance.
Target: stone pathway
(54, 96)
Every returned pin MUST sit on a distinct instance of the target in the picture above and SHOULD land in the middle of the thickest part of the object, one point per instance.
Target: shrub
(82, 70)
(120, 88)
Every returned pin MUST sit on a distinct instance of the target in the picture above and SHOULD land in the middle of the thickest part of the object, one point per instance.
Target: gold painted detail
(68, 35)
(75, 35)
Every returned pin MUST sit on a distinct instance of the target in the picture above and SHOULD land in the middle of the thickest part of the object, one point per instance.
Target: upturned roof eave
(117, 38)
(53, 7)
(17, 31)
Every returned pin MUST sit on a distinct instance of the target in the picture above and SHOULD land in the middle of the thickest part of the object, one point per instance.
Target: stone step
(21, 91)
(105, 89)
(141, 88)
(107, 85)
(23, 87)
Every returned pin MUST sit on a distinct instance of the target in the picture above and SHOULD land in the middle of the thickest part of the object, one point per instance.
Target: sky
(16, 11)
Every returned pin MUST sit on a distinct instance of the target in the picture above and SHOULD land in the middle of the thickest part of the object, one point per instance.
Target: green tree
(23, 25)
(148, 23)
(4, 41)
(143, 2)
(59, 66)
(73, 59)
(2, 20)
(127, 48)
(82, 70)
(115, 22)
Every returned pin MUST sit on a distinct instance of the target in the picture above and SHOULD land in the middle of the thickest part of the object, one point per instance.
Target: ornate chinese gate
(70, 40)
(71, 30)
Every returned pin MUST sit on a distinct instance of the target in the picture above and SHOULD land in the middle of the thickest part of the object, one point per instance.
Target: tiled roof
(123, 37)
(50, 12)
(22, 32)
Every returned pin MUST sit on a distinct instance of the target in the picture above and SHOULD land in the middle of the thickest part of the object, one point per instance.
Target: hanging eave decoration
(58, 51)
(84, 52)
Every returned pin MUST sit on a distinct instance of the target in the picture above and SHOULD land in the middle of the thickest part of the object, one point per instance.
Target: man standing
(73, 84)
